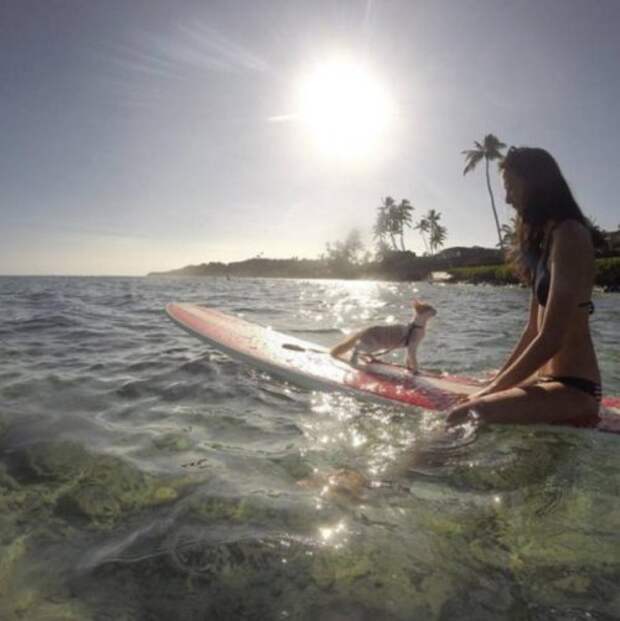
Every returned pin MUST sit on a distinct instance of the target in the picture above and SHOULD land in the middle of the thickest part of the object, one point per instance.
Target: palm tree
(387, 221)
(436, 231)
(423, 226)
(438, 237)
(490, 149)
(404, 210)
(384, 224)
(509, 232)
(379, 230)
(433, 216)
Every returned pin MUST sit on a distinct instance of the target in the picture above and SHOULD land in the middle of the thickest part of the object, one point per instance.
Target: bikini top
(541, 280)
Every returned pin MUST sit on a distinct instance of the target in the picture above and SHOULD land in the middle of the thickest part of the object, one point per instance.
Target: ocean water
(145, 476)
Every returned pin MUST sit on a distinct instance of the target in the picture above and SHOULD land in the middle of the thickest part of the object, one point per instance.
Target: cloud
(283, 118)
(191, 46)
(205, 44)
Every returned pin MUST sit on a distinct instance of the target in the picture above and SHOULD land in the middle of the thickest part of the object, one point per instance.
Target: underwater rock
(193, 553)
(9, 555)
(341, 483)
(294, 465)
(55, 461)
(80, 484)
(351, 611)
(368, 575)
(547, 539)
(515, 460)
(340, 566)
(91, 501)
(109, 488)
(286, 513)
(7, 482)
(172, 442)
(39, 597)
(573, 584)
(195, 574)
(32, 606)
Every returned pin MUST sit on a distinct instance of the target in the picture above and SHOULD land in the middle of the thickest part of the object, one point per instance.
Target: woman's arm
(568, 276)
(526, 338)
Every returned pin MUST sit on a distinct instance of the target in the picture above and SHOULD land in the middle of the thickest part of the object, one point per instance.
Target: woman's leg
(548, 402)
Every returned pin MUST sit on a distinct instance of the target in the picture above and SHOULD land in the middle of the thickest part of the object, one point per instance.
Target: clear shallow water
(144, 476)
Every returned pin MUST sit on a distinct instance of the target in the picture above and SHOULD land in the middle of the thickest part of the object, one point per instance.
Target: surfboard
(311, 366)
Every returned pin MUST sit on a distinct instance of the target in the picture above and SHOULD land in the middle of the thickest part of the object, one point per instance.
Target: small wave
(142, 365)
(41, 296)
(200, 366)
(313, 330)
(42, 323)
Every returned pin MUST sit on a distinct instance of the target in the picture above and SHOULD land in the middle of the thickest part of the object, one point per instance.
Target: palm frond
(493, 146)
(472, 158)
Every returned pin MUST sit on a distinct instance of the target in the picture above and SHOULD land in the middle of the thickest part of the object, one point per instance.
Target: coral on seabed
(100, 488)
(46, 490)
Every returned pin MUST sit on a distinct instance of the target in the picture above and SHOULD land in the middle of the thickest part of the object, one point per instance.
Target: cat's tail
(345, 345)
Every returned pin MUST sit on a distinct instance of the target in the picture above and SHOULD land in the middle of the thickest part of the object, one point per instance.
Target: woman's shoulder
(571, 231)
(572, 244)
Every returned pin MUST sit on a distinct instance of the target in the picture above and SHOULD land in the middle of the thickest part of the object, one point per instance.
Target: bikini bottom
(584, 385)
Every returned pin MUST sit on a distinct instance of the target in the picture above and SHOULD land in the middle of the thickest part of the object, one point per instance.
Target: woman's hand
(465, 398)
(460, 414)
(487, 390)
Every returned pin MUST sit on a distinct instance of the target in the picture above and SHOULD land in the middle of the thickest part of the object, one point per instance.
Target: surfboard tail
(345, 345)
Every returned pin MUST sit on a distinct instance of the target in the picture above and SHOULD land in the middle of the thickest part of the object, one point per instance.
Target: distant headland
(395, 265)
(457, 264)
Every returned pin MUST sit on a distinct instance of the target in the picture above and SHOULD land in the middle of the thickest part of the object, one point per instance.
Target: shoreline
(415, 269)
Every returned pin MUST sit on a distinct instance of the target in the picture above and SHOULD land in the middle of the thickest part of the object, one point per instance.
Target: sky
(148, 135)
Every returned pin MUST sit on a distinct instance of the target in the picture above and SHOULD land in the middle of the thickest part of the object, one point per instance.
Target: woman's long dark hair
(547, 197)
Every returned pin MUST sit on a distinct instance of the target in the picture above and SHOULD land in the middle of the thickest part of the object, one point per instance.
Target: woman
(552, 375)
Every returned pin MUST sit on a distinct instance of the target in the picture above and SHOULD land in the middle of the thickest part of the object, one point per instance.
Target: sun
(345, 109)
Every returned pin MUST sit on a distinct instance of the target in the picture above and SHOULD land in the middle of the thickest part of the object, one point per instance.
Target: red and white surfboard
(311, 366)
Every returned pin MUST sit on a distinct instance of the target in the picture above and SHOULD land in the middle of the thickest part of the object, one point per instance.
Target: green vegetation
(437, 232)
(607, 274)
(347, 259)
(492, 274)
(391, 221)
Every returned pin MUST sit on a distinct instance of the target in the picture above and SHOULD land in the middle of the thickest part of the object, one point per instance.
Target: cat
(383, 339)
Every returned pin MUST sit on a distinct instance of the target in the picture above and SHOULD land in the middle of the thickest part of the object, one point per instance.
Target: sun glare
(345, 109)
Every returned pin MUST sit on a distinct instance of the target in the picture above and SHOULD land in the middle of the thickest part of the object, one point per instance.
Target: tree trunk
(424, 240)
(499, 234)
